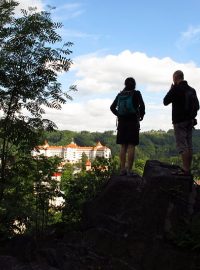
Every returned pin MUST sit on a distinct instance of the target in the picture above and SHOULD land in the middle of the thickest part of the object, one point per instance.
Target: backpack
(125, 105)
(191, 103)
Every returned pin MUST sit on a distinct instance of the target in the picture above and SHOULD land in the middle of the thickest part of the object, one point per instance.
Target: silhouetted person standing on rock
(129, 108)
(184, 110)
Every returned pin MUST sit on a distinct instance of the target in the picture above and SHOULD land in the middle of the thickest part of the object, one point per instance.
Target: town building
(72, 153)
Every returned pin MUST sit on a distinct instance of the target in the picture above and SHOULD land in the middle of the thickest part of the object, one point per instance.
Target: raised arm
(169, 96)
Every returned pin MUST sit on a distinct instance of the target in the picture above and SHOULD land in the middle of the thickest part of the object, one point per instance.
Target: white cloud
(103, 77)
(189, 37)
(99, 79)
(24, 4)
(93, 115)
(157, 117)
(106, 74)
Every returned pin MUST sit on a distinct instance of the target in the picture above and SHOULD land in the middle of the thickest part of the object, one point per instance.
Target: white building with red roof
(72, 153)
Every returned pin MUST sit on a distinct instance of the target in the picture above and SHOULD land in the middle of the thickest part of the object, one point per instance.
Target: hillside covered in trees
(153, 144)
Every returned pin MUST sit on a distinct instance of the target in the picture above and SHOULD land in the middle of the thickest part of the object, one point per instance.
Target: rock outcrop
(136, 223)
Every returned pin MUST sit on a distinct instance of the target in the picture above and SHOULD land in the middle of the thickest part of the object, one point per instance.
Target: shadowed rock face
(132, 224)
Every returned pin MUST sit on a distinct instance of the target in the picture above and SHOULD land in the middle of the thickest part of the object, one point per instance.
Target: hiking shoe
(181, 172)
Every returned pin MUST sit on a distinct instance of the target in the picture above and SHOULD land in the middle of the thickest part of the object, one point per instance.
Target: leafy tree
(139, 166)
(29, 67)
(59, 137)
(84, 138)
(195, 166)
(115, 161)
(46, 189)
(84, 158)
(83, 187)
(67, 175)
(27, 198)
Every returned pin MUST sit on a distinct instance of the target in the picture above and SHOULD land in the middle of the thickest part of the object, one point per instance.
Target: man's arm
(169, 96)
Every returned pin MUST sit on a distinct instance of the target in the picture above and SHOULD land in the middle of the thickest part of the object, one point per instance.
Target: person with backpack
(129, 108)
(185, 106)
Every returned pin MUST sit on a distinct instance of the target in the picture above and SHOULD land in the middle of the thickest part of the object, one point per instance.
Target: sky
(113, 40)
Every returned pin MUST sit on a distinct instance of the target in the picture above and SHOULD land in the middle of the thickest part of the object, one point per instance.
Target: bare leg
(131, 156)
(123, 151)
(187, 160)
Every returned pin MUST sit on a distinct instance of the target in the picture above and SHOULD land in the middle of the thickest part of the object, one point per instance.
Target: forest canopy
(153, 144)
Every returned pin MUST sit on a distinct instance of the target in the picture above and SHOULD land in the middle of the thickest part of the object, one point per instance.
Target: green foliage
(27, 195)
(153, 144)
(29, 66)
(83, 138)
(139, 166)
(84, 158)
(187, 235)
(195, 166)
(158, 145)
(46, 188)
(83, 187)
(67, 176)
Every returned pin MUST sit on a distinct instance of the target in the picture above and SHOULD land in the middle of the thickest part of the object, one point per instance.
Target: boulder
(135, 223)
(138, 219)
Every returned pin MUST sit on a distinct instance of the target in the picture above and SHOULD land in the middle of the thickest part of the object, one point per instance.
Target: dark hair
(130, 82)
(179, 74)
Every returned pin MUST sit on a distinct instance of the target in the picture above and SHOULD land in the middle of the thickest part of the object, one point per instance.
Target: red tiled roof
(57, 174)
(88, 163)
(97, 147)
(71, 145)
